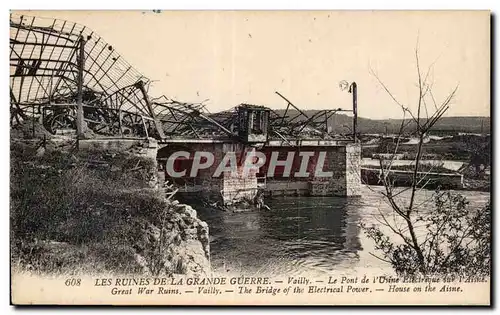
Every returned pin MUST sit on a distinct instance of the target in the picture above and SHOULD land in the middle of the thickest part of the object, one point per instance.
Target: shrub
(68, 209)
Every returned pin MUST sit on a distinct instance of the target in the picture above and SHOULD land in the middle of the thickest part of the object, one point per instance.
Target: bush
(73, 209)
(457, 240)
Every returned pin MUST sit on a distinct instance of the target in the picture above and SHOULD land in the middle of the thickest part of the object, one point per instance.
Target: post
(120, 116)
(354, 90)
(79, 101)
(158, 125)
(33, 118)
(326, 123)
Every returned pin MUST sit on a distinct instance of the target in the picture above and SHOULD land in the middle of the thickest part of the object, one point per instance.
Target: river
(310, 236)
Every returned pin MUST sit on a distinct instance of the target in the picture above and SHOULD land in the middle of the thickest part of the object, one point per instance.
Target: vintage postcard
(250, 157)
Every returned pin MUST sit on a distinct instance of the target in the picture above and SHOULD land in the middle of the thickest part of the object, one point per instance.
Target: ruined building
(67, 78)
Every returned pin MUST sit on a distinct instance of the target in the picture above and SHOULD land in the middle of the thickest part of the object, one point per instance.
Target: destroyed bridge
(56, 64)
(65, 76)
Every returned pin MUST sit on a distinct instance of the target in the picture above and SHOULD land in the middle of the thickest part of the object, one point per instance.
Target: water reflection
(299, 235)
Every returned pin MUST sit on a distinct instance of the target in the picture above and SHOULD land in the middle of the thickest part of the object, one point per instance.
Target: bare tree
(441, 238)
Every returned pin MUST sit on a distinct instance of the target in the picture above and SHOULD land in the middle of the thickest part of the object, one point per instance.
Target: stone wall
(343, 161)
(147, 148)
(226, 189)
(353, 169)
(334, 162)
(238, 187)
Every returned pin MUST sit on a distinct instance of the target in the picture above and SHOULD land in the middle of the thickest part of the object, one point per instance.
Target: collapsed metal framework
(45, 76)
(55, 63)
(58, 68)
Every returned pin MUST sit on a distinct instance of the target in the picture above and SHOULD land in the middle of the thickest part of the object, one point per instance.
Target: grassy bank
(95, 212)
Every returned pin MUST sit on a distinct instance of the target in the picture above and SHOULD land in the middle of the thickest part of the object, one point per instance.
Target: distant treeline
(342, 123)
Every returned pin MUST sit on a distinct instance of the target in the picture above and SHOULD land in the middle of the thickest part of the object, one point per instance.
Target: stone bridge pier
(305, 168)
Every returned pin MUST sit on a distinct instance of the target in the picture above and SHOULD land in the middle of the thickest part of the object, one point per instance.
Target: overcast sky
(244, 57)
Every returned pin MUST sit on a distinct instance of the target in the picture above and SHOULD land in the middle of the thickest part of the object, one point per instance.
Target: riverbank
(98, 212)
(452, 148)
(313, 236)
(432, 174)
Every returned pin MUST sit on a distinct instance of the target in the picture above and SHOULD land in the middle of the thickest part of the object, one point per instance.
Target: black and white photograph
(238, 157)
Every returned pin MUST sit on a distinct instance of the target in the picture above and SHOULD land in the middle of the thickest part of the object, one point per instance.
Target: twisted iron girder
(44, 56)
(44, 72)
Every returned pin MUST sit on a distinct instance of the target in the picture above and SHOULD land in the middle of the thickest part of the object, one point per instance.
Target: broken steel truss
(58, 68)
(45, 77)
(295, 123)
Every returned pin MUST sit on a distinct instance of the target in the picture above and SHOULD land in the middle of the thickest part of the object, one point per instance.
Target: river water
(310, 236)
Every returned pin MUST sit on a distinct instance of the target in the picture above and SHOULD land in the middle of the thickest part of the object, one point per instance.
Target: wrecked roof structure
(44, 71)
(45, 60)
(56, 64)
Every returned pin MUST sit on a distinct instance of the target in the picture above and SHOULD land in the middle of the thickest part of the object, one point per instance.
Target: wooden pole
(80, 128)
(354, 91)
(158, 125)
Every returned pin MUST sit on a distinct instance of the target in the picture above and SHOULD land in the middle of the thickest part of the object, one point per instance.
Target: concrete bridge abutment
(340, 162)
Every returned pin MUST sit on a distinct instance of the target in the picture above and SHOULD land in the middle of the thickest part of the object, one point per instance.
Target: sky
(233, 57)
